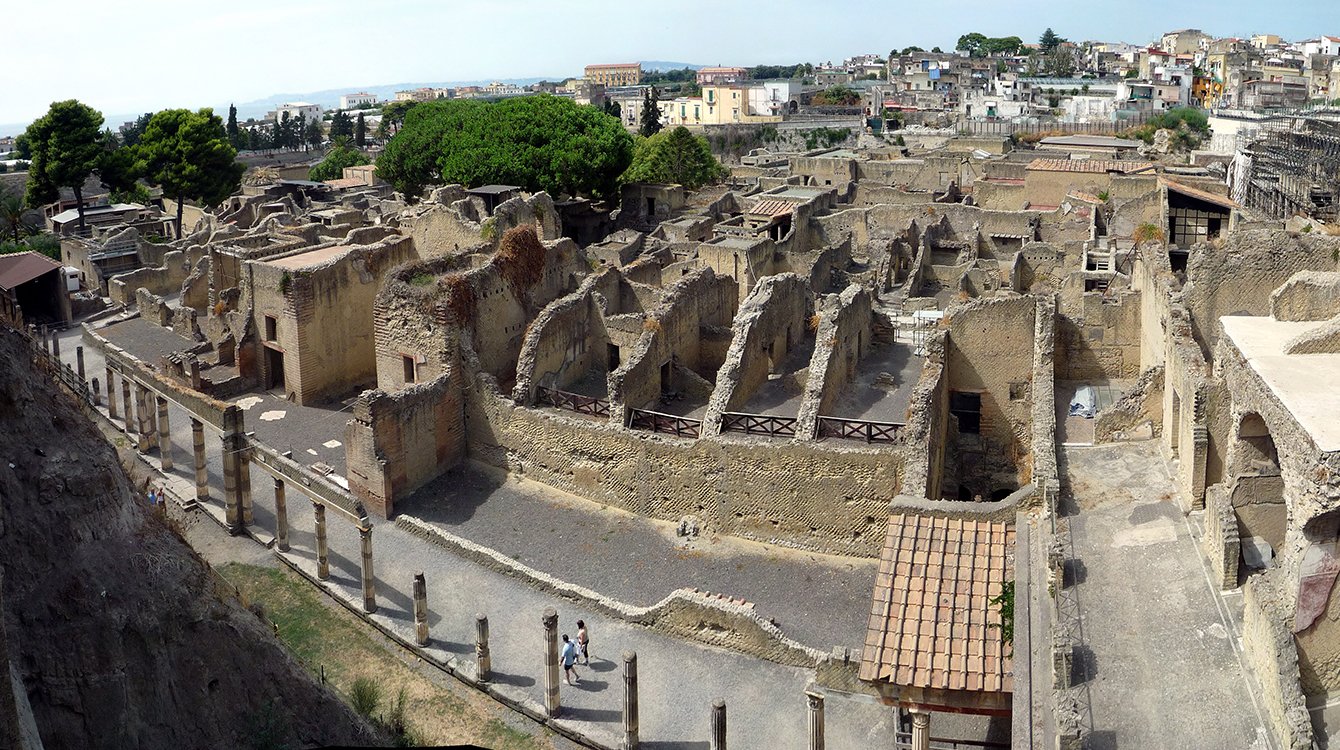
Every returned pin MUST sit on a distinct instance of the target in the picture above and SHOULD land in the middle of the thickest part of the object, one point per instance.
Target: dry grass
(440, 711)
(651, 325)
(520, 258)
(460, 297)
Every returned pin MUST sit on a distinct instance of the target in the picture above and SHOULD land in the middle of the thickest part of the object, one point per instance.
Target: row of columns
(323, 548)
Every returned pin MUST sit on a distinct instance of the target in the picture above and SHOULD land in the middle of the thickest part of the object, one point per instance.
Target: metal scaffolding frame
(1291, 166)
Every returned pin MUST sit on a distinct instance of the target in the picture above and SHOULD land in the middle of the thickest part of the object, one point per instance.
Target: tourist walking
(569, 658)
(584, 642)
(153, 498)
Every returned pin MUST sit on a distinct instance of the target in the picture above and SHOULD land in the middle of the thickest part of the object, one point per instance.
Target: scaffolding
(1290, 166)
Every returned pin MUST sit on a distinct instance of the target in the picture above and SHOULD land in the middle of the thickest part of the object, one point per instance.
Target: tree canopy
(536, 142)
(837, 96)
(67, 144)
(649, 120)
(188, 155)
(339, 157)
(675, 156)
(1049, 40)
(980, 45)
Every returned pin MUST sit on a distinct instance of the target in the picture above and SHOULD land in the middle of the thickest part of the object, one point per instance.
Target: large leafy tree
(675, 156)
(131, 131)
(1049, 40)
(341, 126)
(537, 142)
(11, 213)
(649, 120)
(188, 155)
(339, 157)
(360, 132)
(234, 132)
(67, 144)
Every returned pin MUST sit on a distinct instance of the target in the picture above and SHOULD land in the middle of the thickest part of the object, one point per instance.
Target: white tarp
(1082, 405)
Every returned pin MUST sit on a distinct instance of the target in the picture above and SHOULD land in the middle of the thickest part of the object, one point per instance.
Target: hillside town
(971, 398)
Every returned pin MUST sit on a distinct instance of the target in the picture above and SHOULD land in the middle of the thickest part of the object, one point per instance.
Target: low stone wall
(1140, 406)
(684, 613)
(1268, 646)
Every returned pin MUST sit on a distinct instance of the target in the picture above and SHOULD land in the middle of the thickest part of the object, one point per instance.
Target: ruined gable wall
(772, 318)
(562, 344)
(927, 429)
(842, 339)
(412, 318)
(162, 280)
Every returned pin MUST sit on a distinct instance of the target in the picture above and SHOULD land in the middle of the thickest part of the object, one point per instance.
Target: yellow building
(719, 105)
(615, 74)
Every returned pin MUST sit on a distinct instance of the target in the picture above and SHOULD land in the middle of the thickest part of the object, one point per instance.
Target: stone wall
(1102, 341)
(773, 320)
(1268, 647)
(673, 333)
(323, 318)
(991, 353)
(1138, 414)
(162, 280)
(1232, 280)
(452, 222)
(397, 442)
(840, 343)
(1222, 542)
(1307, 295)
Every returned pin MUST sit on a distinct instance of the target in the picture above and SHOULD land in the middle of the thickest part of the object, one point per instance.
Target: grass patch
(437, 709)
(422, 279)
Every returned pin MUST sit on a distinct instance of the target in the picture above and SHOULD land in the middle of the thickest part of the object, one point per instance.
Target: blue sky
(143, 55)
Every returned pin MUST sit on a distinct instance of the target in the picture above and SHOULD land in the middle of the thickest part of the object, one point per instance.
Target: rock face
(117, 631)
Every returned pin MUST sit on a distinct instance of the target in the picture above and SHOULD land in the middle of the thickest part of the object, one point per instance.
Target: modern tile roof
(1092, 166)
(20, 268)
(771, 208)
(1222, 201)
(932, 624)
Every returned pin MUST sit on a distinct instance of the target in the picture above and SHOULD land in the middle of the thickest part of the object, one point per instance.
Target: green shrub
(364, 695)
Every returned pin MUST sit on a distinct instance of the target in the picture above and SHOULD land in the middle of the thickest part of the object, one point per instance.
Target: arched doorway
(1256, 492)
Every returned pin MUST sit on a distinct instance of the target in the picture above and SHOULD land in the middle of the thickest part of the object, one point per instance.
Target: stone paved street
(1159, 655)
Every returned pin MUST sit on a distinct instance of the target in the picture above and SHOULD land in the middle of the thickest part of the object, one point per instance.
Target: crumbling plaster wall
(841, 342)
(1307, 295)
(564, 342)
(453, 222)
(1102, 342)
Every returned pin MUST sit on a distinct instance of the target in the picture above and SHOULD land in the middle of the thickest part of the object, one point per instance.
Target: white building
(355, 101)
(1326, 45)
(298, 109)
(773, 97)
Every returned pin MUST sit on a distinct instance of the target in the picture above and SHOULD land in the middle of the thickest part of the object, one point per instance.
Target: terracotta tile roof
(1093, 166)
(20, 268)
(1222, 201)
(932, 624)
(771, 208)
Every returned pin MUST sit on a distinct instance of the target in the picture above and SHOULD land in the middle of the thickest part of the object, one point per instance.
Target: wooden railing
(758, 424)
(572, 402)
(669, 424)
(859, 429)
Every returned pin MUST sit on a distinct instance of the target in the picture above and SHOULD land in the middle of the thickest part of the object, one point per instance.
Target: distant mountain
(662, 66)
(330, 98)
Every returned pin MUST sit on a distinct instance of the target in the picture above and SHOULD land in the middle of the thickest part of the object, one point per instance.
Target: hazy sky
(143, 55)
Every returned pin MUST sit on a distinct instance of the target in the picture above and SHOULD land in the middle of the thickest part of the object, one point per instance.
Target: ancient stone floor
(820, 600)
(1159, 658)
(883, 385)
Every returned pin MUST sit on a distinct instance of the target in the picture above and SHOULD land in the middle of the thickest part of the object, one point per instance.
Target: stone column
(151, 415)
(281, 517)
(550, 622)
(111, 395)
(164, 435)
(921, 730)
(718, 726)
(79, 363)
(97, 392)
(420, 609)
(142, 400)
(816, 702)
(198, 448)
(369, 585)
(234, 466)
(322, 554)
(483, 661)
(630, 724)
(125, 401)
(55, 346)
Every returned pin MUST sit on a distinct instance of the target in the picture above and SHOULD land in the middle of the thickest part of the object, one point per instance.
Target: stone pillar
(281, 517)
(79, 363)
(550, 622)
(322, 554)
(55, 346)
(198, 448)
(234, 465)
(420, 609)
(164, 435)
(111, 395)
(921, 730)
(630, 724)
(142, 400)
(483, 661)
(718, 739)
(97, 392)
(125, 401)
(151, 415)
(369, 585)
(816, 702)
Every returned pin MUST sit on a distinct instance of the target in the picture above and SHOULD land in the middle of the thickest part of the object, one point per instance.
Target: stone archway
(1256, 493)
